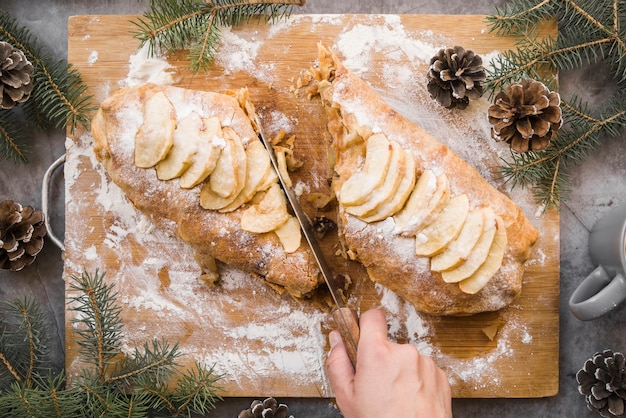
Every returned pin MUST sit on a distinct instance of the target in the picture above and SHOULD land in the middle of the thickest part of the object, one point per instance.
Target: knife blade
(345, 318)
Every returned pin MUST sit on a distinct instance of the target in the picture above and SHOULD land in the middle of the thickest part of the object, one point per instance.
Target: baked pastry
(423, 222)
(193, 163)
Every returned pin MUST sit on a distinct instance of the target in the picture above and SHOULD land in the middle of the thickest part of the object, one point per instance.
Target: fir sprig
(58, 98)
(22, 330)
(98, 324)
(13, 142)
(588, 32)
(194, 25)
(115, 384)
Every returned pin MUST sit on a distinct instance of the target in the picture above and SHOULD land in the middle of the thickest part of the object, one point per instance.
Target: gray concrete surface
(597, 185)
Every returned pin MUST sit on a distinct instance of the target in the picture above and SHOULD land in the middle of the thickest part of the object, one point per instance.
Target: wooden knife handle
(347, 323)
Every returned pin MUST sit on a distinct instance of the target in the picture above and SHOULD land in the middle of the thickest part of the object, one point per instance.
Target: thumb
(339, 366)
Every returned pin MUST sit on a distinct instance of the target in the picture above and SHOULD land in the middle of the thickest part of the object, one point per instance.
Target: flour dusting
(243, 328)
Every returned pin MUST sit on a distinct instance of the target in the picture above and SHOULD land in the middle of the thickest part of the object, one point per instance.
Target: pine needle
(588, 32)
(58, 98)
(194, 26)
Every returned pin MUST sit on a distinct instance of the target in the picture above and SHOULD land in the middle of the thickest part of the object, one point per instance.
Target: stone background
(597, 184)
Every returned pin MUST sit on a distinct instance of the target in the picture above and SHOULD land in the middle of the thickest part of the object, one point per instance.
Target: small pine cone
(269, 408)
(16, 73)
(525, 116)
(21, 235)
(602, 381)
(455, 77)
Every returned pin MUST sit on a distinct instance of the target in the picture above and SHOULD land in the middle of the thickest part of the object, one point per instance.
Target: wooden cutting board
(263, 342)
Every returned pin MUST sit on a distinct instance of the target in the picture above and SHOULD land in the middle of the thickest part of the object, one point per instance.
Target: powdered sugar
(145, 68)
(248, 331)
(389, 38)
(236, 52)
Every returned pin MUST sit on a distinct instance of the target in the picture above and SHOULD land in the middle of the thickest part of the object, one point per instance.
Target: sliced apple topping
(461, 243)
(386, 191)
(183, 149)
(399, 198)
(210, 143)
(478, 255)
(459, 249)
(155, 135)
(289, 234)
(425, 215)
(258, 166)
(436, 236)
(492, 264)
(229, 177)
(269, 214)
(359, 186)
(418, 200)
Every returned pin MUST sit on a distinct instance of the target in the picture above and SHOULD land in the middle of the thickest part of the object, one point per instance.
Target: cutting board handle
(45, 192)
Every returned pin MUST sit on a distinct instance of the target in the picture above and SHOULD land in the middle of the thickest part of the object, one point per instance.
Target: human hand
(390, 380)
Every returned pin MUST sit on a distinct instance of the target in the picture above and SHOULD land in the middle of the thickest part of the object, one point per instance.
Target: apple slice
(435, 237)
(419, 219)
(478, 255)
(229, 176)
(418, 200)
(289, 234)
(385, 192)
(458, 250)
(358, 187)
(398, 200)
(258, 168)
(155, 135)
(485, 272)
(210, 145)
(184, 147)
(269, 214)
(268, 181)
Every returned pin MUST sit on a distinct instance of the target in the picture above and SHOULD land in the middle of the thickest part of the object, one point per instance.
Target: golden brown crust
(218, 235)
(389, 258)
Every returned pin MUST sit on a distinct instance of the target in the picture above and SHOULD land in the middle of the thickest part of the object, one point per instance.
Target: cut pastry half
(202, 143)
(428, 223)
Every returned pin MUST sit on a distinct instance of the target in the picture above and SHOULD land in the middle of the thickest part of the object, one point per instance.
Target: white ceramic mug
(605, 287)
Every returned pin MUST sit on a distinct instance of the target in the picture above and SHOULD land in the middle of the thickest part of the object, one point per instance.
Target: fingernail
(334, 338)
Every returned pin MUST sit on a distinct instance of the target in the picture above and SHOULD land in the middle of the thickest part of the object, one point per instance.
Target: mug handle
(597, 295)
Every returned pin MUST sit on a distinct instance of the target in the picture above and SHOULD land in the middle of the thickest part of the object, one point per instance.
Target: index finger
(373, 326)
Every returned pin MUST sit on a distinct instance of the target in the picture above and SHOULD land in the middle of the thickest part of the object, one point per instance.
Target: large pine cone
(21, 235)
(602, 381)
(525, 116)
(16, 73)
(455, 77)
(269, 408)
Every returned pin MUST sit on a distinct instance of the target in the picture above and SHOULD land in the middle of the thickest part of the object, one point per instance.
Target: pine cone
(269, 408)
(602, 381)
(21, 235)
(525, 116)
(16, 73)
(455, 77)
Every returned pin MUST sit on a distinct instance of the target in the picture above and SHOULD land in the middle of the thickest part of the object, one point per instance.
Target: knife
(345, 318)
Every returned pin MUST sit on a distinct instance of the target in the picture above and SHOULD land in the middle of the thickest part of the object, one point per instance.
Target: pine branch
(589, 32)
(58, 98)
(196, 392)
(116, 384)
(156, 363)
(193, 25)
(31, 326)
(98, 325)
(22, 347)
(518, 16)
(12, 138)
(532, 58)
